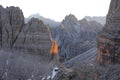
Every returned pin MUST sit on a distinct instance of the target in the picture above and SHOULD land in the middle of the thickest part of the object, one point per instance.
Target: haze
(58, 9)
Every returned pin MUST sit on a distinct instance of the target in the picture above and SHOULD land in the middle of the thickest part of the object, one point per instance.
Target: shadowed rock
(108, 39)
(28, 46)
(11, 23)
(34, 38)
(75, 37)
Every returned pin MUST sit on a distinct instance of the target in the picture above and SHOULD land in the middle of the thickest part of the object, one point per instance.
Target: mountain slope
(75, 36)
(86, 57)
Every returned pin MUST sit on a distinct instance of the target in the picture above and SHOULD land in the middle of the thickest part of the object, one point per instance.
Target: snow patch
(54, 72)
(48, 77)
(32, 76)
(43, 78)
(6, 74)
(91, 64)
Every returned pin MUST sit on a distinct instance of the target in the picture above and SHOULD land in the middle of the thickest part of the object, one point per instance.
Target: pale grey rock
(34, 38)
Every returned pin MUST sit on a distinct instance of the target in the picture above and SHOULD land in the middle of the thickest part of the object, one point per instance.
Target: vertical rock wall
(108, 40)
(11, 23)
(33, 37)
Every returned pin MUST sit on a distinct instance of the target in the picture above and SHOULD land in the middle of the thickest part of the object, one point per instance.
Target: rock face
(75, 37)
(46, 21)
(33, 37)
(84, 67)
(108, 40)
(11, 23)
(24, 48)
(100, 19)
(72, 35)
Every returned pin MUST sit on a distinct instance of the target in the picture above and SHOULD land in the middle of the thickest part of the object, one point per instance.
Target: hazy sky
(58, 9)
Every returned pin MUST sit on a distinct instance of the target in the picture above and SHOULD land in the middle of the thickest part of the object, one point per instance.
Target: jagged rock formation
(75, 37)
(46, 21)
(108, 52)
(33, 37)
(108, 40)
(99, 19)
(71, 33)
(24, 48)
(11, 23)
(90, 29)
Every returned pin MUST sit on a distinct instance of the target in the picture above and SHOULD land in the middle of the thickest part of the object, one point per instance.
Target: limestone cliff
(32, 37)
(11, 23)
(24, 48)
(108, 40)
(75, 36)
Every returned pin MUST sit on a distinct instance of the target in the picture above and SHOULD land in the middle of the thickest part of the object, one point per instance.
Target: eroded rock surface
(33, 37)
(11, 23)
(108, 39)
(75, 36)
(24, 48)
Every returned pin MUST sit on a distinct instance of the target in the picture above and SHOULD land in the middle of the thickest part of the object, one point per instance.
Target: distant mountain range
(73, 36)
(46, 21)
(99, 19)
(52, 23)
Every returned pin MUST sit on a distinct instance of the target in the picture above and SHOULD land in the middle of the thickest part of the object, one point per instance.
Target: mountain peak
(84, 20)
(71, 17)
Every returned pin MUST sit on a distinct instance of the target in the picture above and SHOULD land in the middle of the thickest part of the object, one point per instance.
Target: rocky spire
(11, 23)
(33, 37)
(108, 40)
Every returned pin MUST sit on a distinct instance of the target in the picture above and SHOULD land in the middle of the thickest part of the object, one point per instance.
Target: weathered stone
(1, 13)
(109, 38)
(11, 23)
(23, 41)
(66, 74)
(75, 37)
(34, 38)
